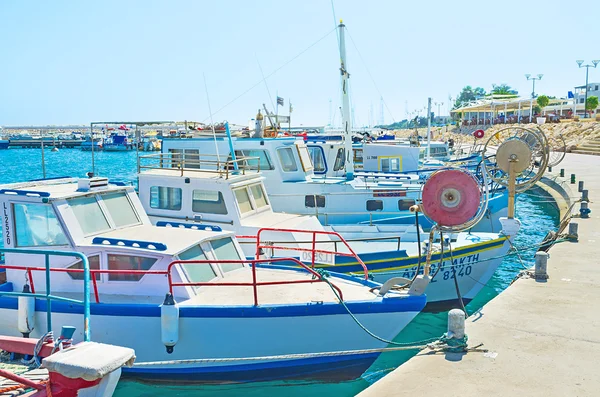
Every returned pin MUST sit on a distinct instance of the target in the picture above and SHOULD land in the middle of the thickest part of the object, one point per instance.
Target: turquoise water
(536, 215)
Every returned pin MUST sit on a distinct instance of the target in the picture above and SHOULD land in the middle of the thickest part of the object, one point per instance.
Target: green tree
(468, 94)
(542, 101)
(591, 104)
(503, 89)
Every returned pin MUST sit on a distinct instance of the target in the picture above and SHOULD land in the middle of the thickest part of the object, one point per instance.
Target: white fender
(26, 312)
(169, 323)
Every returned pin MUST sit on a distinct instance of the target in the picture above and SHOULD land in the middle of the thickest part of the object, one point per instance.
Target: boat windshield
(196, 272)
(116, 211)
(37, 225)
(225, 249)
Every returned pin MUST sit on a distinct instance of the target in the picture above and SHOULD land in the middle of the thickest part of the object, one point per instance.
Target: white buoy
(456, 324)
(26, 313)
(169, 323)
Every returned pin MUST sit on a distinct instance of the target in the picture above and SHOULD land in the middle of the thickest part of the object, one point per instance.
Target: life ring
(478, 134)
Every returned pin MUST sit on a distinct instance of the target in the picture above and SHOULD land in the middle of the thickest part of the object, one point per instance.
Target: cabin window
(243, 199)
(120, 209)
(165, 198)
(191, 158)
(318, 158)
(37, 225)
(358, 156)
(264, 161)
(340, 160)
(286, 157)
(309, 201)
(126, 262)
(89, 215)
(196, 272)
(305, 160)
(404, 205)
(94, 262)
(225, 250)
(209, 202)
(260, 199)
(176, 157)
(390, 164)
(374, 205)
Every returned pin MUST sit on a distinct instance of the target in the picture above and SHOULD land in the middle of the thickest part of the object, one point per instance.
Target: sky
(73, 62)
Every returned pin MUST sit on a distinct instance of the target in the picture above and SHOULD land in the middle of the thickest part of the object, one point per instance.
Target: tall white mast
(428, 128)
(346, 116)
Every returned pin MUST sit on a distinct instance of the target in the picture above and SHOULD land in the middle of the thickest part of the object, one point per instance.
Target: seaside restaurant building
(490, 111)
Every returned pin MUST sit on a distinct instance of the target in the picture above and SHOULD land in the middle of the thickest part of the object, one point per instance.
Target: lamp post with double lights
(529, 77)
(587, 70)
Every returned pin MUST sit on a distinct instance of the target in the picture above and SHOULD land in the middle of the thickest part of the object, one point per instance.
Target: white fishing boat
(234, 320)
(198, 196)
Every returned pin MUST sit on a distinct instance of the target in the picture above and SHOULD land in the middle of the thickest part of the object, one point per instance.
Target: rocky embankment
(574, 133)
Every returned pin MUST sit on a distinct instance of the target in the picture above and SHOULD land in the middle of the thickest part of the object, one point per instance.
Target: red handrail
(254, 284)
(314, 234)
(253, 262)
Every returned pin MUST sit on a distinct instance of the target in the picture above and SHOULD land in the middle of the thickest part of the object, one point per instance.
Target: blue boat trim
(386, 305)
(130, 243)
(29, 193)
(332, 368)
(202, 226)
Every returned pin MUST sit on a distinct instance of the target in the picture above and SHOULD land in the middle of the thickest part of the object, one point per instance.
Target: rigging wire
(371, 76)
(272, 73)
(211, 121)
(266, 85)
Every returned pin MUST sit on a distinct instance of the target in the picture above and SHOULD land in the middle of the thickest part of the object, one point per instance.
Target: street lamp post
(539, 77)
(587, 69)
(438, 104)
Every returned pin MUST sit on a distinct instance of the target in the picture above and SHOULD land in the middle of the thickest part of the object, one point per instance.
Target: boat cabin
(108, 224)
(328, 157)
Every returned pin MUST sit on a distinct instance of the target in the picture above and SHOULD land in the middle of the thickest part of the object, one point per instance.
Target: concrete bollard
(584, 211)
(541, 265)
(580, 188)
(584, 195)
(456, 324)
(573, 229)
(572, 179)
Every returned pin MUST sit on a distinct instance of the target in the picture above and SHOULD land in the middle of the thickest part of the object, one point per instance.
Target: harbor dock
(541, 336)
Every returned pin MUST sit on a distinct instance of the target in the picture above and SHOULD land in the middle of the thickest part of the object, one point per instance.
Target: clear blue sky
(80, 61)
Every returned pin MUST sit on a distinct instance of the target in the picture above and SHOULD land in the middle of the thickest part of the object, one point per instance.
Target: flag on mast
(279, 101)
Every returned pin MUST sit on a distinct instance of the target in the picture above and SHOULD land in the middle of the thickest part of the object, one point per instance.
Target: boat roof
(220, 177)
(55, 188)
(175, 239)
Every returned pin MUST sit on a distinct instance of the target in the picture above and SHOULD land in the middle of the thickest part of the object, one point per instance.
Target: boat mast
(346, 117)
(428, 128)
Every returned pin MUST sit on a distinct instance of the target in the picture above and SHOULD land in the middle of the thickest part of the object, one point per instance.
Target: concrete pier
(542, 335)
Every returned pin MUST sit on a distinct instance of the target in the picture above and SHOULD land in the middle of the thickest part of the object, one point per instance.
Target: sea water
(536, 213)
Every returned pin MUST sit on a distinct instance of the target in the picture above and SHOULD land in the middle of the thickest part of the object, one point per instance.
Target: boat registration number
(320, 257)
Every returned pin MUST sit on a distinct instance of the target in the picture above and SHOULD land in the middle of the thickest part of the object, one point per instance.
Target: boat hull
(236, 332)
(471, 265)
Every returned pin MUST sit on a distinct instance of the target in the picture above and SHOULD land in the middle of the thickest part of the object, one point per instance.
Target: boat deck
(278, 294)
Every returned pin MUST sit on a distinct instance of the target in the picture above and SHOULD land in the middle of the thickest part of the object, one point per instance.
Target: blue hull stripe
(387, 305)
(334, 368)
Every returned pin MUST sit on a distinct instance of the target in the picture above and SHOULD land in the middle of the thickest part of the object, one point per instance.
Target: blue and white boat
(118, 143)
(196, 196)
(234, 321)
